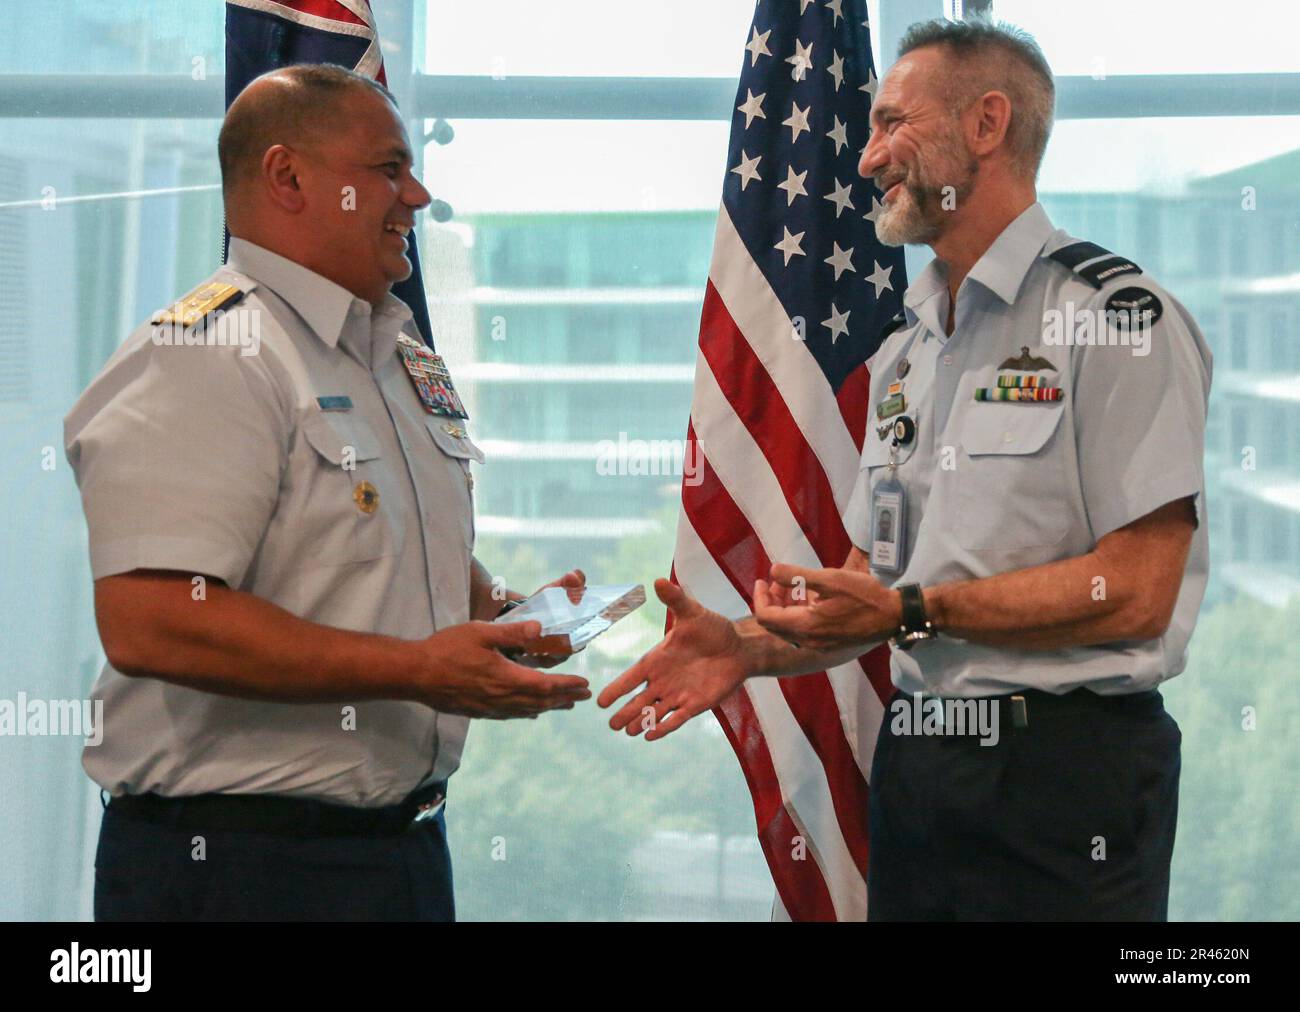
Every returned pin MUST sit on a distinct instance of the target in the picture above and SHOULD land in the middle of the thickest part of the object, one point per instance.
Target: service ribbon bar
(1020, 381)
(1001, 393)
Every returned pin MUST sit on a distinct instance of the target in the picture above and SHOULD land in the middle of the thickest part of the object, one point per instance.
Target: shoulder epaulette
(199, 304)
(896, 322)
(1095, 264)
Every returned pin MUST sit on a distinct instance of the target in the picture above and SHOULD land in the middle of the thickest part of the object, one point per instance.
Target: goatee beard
(905, 221)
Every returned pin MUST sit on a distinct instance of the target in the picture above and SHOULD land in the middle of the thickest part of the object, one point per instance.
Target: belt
(282, 816)
(1017, 711)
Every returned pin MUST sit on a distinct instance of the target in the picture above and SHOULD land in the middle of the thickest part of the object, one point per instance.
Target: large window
(565, 292)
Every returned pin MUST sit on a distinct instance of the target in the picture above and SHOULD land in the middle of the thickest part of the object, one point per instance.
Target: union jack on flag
(799, 291)
(264, 35)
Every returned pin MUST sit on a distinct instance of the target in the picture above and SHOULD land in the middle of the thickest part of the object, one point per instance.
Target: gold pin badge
(452, 429)
(366, 496)
(1025, 362)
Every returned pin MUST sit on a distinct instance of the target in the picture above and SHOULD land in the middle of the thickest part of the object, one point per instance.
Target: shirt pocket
(1011, 477)
(451, 440)
(347, 516)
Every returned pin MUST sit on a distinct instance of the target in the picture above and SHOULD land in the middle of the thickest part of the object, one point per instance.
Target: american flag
(798, 294)
(264, 35)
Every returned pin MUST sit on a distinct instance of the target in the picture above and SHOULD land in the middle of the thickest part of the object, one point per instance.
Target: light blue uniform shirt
(997, 486)
(222, 460)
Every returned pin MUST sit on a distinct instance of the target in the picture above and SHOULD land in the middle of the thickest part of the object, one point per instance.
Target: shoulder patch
(1095, 264)
(1130, 307)
(198, 304)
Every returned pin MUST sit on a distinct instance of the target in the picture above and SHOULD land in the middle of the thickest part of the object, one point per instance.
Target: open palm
(696, 666)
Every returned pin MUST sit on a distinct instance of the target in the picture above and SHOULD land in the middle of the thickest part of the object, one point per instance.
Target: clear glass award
(568, 625)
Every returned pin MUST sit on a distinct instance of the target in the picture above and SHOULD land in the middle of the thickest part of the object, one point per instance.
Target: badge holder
(889, 521)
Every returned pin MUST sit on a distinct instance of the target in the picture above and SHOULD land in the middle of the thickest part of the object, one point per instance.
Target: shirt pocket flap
(875, 451)
(340, 439)
(1009, 427)
(447, 436)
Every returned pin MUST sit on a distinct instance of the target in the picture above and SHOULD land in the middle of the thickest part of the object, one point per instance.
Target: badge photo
(888, 526)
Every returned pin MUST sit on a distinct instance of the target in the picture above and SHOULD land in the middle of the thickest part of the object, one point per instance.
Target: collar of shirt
(330, 311)
(1001, 270)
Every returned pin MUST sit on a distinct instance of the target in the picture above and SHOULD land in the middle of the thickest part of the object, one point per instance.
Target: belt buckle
(430, 809)
(1019, 713)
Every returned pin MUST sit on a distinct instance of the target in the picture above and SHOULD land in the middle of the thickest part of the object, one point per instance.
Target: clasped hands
(825, 609)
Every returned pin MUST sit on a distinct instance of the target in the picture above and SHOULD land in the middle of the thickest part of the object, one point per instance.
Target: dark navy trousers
(145, 871)
(1072, 818)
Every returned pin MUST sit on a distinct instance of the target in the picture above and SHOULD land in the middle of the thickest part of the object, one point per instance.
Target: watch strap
(916, 624)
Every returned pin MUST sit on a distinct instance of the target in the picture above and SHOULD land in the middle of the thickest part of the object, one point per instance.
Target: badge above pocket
(431, 379)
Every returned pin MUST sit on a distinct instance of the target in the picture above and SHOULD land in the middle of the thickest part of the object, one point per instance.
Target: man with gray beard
(1045, 553)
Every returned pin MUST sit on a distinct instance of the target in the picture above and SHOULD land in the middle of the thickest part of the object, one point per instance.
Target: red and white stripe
(777, 456)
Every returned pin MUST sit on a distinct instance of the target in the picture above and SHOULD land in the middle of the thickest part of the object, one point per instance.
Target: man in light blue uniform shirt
(1009, 485)
(1028, 526)
(277, 487)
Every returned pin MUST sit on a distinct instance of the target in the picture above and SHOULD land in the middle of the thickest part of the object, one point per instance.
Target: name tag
(338, 402)
(888, 526)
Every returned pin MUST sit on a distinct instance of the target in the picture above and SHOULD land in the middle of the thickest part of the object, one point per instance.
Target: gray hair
(997, 56)
(300, 108)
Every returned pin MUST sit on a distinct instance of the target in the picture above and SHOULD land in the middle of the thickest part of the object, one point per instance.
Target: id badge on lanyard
(889, 523)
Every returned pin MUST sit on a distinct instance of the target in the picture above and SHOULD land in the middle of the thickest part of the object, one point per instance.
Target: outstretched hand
(696, 666)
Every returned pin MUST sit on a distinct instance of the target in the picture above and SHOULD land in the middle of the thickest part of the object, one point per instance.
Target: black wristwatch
(916, 625)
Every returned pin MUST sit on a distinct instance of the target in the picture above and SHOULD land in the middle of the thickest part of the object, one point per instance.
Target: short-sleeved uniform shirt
(993, 486)
(293, 461)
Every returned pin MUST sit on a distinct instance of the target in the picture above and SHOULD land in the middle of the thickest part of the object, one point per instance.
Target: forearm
(767, 655)
(237, 644)
(486, 597)
(1074, 602)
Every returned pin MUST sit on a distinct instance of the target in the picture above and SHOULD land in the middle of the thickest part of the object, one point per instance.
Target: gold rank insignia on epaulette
(204, 300)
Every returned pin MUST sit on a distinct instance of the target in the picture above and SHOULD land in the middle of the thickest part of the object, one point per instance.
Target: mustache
(885, 182)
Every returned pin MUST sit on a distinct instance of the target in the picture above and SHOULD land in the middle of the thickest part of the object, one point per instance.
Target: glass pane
(1211, 207)
(589, 38)
(122, 37)
(568, 302)
(1190, 37)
